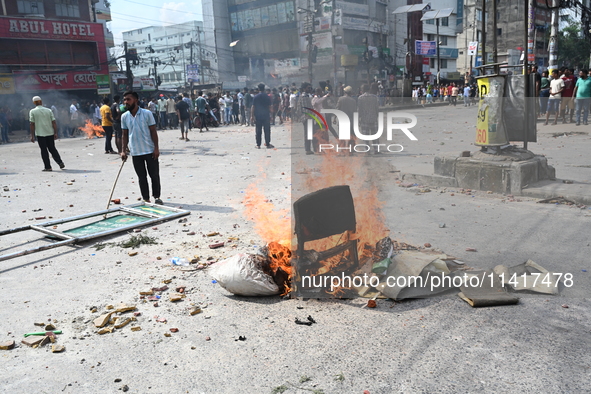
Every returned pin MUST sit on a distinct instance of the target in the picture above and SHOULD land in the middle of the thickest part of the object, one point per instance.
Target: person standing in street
(261, 116)
(348, 105)
(74, 117)
(544, 93)
(162, 112)
(454, 95)
(191, 109)
(368, 109)
(182, 111)
(171, 113)
(116, 113)
(466, 96)
(556, 88)
(241, 108)
(141, 138)
(582, 95)
(303, 102)
(107, 123)
(567, 97)
(201, 109)
(44, 127)
(153, 107)
(248, 105)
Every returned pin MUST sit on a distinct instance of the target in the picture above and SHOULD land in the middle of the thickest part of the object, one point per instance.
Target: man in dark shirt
(182, 111)
(116, 114)
(261, 115)
(248, 96)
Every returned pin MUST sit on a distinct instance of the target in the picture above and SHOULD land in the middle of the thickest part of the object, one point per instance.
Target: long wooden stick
(114, 184)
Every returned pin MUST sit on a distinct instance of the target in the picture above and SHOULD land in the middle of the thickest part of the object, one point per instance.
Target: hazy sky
(134, 14)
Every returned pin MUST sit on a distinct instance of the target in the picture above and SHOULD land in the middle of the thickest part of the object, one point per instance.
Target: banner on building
(144, 84)
(66, 80)
(472, 48)
(192, 73)
(6, 84)
(103, 84)
(426, 48)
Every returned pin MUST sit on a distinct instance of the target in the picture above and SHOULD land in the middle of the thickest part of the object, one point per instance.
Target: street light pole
(311, 48)
(438, 56)
(334, 47)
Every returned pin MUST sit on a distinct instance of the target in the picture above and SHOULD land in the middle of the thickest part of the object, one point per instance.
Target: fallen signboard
(123, 218)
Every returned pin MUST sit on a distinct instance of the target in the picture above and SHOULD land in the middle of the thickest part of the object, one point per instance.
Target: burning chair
(322, 214)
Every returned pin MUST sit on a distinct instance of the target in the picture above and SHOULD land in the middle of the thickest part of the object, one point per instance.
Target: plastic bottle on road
(179, 261)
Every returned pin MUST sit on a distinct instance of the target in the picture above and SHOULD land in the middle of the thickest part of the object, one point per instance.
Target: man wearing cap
(44, 127)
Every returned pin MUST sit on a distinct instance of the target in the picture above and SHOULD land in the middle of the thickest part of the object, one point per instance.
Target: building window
(30, 7)
(443, 63)
(430, 21)
(445, 21)
(433, 37)
(479, 15)
(68, 8)
(499, 32)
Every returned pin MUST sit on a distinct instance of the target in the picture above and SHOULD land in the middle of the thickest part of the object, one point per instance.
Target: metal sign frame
(66, 239)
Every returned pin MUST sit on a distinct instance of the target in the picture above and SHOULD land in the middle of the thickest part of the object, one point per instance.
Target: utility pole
(191, 63)
(129, 75)
(483, 36)
(334, 47)
(156, 73)
(494, 51)
(200, 57)
(438, 56)
(553, 45)
(311, 47)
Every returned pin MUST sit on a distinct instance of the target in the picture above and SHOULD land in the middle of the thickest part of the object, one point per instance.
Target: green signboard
(106, 225)
(103, 84)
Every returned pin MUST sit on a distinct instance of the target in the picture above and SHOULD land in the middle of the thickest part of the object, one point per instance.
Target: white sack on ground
(243, 275)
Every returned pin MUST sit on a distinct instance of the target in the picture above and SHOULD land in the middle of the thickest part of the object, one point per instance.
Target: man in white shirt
(171, 113)
(74, 117)
(556, 88)
(162, 112)
(44, 127)
(466, 96)
(140, 136)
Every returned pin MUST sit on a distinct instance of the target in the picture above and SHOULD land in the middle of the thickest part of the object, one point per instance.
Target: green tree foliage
(573, 47)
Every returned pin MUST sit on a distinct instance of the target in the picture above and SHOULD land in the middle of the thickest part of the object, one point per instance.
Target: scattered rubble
(7, 345)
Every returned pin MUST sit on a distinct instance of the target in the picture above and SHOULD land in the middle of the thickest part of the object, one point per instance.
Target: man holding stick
(140, 136)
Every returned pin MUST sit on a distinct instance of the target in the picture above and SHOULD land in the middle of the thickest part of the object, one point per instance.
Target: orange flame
(92, 130)
(280, 257)
(271, 225)
(275, 227)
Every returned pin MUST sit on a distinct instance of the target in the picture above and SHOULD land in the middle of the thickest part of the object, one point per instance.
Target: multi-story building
(102, 15)
(274, 39)
(449, 27)
(267, 41)
(218, 37)
(50, 48)
(509, 33)
(167, 52)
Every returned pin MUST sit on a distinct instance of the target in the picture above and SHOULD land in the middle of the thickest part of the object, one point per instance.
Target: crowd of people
(563, 94)
(449, 93)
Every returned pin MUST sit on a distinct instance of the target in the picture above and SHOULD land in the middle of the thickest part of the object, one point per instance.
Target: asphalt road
(416, 346)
